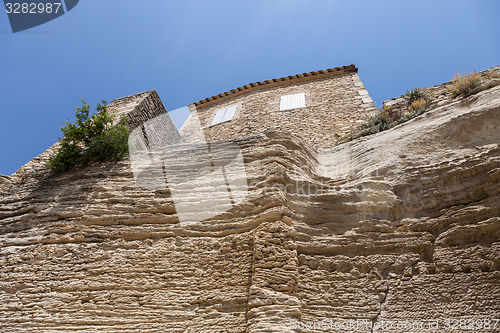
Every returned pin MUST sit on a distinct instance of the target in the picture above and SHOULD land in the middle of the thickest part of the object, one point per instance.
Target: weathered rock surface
(401, 225)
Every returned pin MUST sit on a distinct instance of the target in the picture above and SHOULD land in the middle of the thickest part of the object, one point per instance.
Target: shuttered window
(229, 114)
(223, 115)
(294, 101)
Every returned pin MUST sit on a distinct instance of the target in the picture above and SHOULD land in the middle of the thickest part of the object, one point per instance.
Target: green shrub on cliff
(91, 138)
(414, 95)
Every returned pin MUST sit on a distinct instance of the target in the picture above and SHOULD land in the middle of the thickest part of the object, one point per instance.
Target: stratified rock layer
(401, 225)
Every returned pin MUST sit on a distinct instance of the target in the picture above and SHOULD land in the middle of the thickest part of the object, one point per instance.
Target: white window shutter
(219, 116)
(295, 101)
(229, 113)
(223, 115)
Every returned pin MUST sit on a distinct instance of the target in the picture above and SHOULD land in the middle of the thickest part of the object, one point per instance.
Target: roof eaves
(276, 82)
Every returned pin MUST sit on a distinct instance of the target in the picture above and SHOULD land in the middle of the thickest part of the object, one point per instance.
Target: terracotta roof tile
(277, 82)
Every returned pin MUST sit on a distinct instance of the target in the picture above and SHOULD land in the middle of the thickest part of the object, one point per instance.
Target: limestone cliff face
(401, 225)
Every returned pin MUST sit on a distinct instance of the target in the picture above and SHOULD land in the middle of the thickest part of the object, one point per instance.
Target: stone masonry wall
(139, 108)
(333, 105)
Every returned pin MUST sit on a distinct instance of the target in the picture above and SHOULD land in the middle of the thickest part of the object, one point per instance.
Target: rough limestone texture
(403, 225)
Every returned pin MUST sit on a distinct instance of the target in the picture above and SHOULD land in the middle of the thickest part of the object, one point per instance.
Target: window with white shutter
(294, 101)
(229, 114)
(223, 115)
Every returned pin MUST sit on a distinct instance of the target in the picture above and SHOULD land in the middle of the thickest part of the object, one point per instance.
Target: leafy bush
(463, 84)
(388, 117)
(415, 94)
(384, 119)
(376, 123)
(419, 104)
(90, 139)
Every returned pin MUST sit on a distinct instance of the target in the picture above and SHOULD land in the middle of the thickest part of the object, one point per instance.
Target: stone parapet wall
(138, 108)
(439, 94)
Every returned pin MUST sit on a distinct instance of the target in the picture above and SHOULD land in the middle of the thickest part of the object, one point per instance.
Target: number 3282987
(32, 8)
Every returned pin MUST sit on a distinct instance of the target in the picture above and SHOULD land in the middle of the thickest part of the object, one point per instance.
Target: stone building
(316, 106)
(398, 228)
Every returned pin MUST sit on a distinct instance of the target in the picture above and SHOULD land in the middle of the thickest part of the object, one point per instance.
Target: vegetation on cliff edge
(91, 138)
(386, 117)
(464, 84)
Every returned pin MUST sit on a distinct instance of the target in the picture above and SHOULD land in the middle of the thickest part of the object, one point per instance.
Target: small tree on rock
(91, 138)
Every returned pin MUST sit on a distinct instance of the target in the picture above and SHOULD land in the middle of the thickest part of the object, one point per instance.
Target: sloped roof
(276, 82)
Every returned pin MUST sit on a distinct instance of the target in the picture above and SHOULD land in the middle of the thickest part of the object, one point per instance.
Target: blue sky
(192, 49)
